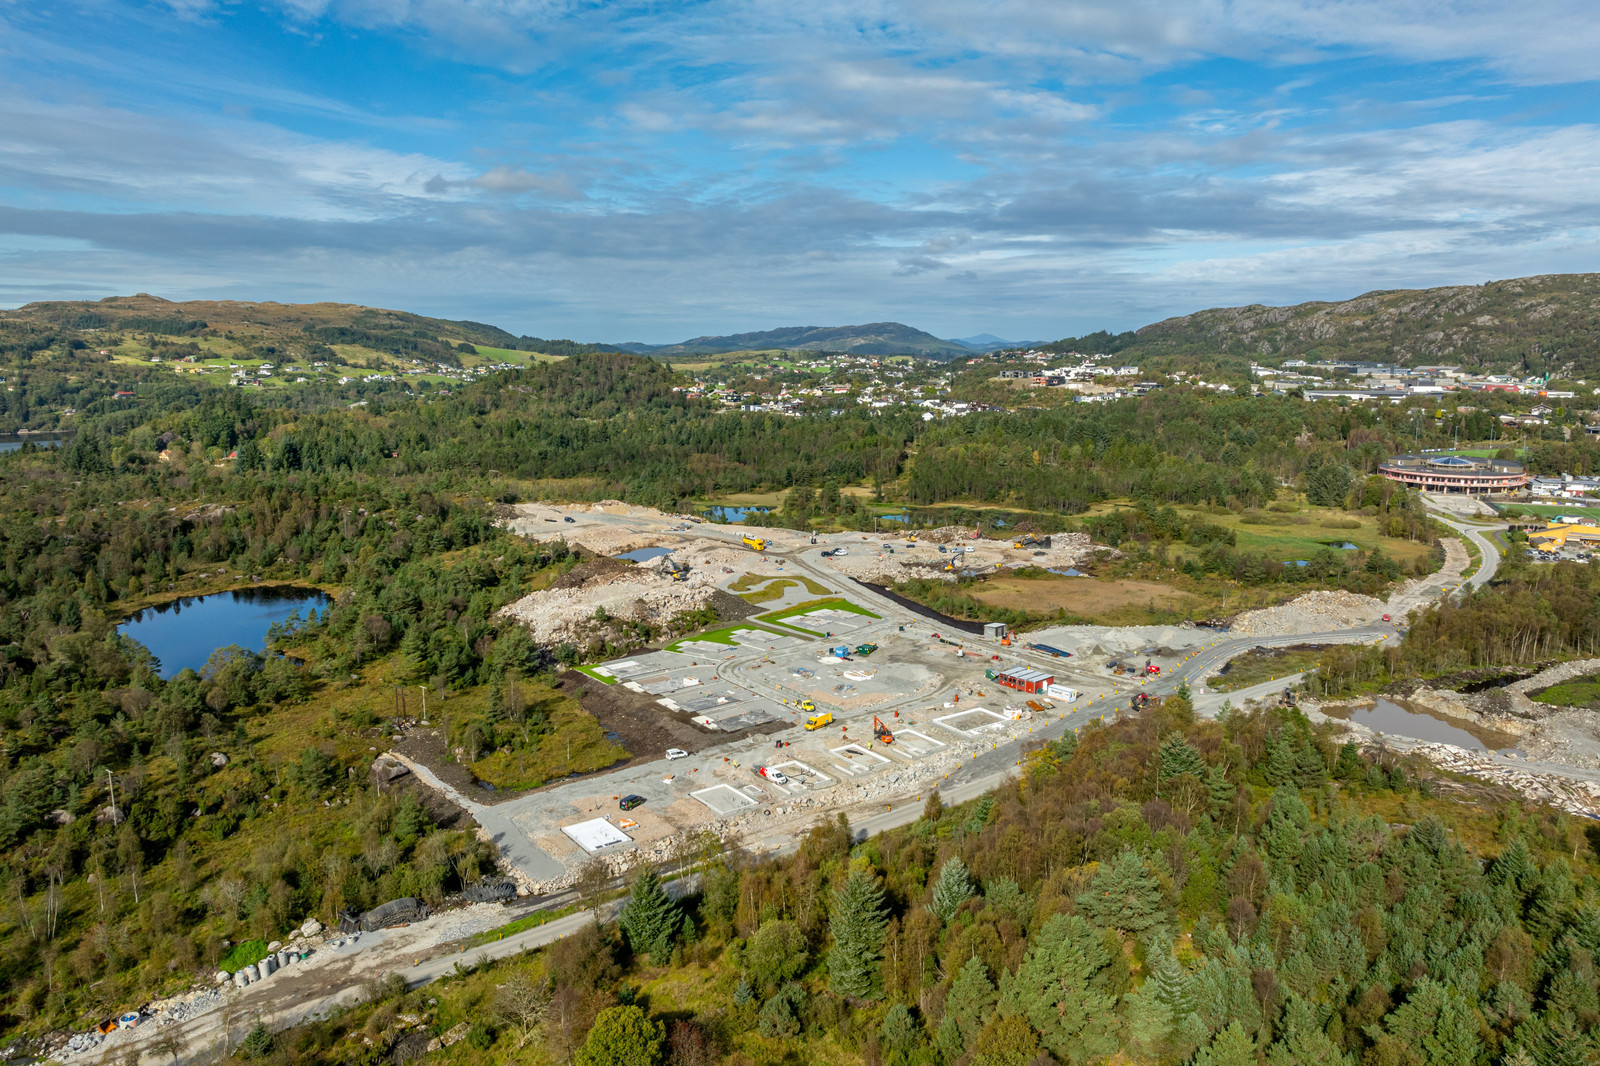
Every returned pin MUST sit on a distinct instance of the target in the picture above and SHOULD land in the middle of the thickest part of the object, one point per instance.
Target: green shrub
(242, 955)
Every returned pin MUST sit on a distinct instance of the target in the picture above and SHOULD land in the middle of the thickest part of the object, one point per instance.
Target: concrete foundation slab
(760, 638)
(916, 743)
(802, 776)
(723, 800)
(977, 720)
(856, 759)
(596, 835)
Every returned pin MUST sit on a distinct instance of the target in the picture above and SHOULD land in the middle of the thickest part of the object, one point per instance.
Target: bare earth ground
(1082, 596)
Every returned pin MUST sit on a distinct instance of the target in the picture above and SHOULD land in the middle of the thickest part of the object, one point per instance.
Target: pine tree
(900, 1030)
(970, 1002)
(953, 888)
(650, 920)
(1349, 767)
(1551, 899)
(1301, 1039)
(1162, 1012)
(1309, 766)
(980, 815)
(1281, 761)
(858, 920)
(1514, 868)
(1219, 789)
(1232, 1047)
(1173, 986)
(1061, 989)
(1124, 895)
(1178, 756)
(1434, 1027)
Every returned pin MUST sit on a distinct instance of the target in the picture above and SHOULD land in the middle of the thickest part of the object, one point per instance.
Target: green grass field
(1551, 510)
(837, 603)
(725, 635)
(1299, 534)
(1579, 692)
(513, 355)
(1254, 667)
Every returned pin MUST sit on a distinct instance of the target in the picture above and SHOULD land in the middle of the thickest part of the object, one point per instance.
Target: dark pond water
(185, 632)
(1387, 716)
(644, 555)
(733, 514)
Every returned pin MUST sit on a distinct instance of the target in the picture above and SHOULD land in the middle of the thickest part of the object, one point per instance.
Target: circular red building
(1447, 472)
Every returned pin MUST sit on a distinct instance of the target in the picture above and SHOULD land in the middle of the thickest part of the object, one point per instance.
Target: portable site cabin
(994, 630)
(1023, 680)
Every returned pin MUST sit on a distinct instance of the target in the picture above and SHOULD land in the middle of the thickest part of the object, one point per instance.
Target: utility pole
(424, 689)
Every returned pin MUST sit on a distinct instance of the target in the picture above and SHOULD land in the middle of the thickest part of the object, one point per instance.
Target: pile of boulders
(559, 616)
(1579, 797)
(1315, 612)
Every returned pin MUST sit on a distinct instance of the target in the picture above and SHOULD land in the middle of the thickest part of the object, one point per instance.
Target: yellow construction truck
(755, 543)
(817, 721)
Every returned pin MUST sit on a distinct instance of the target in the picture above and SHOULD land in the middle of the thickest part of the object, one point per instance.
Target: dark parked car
(630, 802)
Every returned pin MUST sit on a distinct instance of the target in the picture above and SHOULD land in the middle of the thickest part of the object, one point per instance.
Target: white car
(677, 753)
(841, 551)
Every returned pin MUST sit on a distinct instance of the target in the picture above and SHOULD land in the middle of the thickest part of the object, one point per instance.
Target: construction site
(822, 695)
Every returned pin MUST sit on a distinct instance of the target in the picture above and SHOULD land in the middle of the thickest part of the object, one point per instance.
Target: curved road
(972, 779)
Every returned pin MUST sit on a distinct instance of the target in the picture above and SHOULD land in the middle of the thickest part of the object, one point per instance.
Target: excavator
(880, 732)
(1031, 541)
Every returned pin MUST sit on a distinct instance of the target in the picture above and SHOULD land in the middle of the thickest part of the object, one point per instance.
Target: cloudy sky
(650, 170)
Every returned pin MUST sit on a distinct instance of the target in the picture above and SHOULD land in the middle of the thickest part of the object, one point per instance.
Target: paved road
(970, 780)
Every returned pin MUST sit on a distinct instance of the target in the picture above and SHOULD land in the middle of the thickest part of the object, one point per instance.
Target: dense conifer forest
(1163, 889)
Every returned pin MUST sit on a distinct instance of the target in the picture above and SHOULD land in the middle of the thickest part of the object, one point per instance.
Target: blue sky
(640, 170)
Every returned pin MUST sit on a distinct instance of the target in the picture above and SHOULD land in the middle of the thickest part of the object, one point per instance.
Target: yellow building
(1555, 536)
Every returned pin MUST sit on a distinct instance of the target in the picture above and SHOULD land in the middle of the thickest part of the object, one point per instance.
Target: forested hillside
(242, 793)
(1540, 325)
(305, 325)
(1160, 891)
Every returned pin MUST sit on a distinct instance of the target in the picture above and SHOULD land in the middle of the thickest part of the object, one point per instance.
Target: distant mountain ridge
(874, 338)
(334, 323)
(1544, 324)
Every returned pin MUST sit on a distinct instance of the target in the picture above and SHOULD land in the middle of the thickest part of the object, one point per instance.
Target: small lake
(184, 633)
(894, 518)
(43, 442)
(733, 514)
(644, 555)
(1400, 719)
